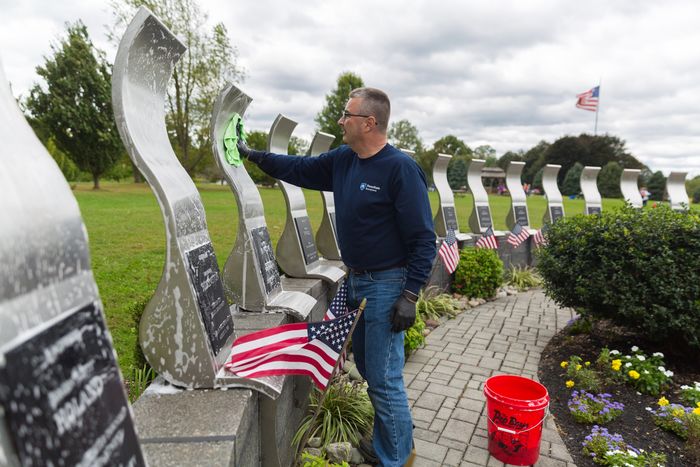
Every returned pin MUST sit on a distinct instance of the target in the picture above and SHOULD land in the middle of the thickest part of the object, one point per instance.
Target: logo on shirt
(367, 187)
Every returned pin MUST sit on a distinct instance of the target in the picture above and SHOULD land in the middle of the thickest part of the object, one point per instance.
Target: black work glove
(403, 312)
(243, 148)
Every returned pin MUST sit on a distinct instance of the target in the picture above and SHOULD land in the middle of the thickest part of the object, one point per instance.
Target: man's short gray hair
(374, 102)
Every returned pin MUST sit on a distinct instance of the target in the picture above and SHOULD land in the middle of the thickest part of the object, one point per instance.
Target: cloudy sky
(504, 73)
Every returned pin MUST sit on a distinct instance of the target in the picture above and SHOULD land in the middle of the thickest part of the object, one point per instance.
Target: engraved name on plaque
(250, 274)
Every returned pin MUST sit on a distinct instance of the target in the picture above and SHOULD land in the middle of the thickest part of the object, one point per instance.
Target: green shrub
(345, 416)
(522, 278)
(479, 273)
(309, 460)
(413, 338)
(639, 268)
(432, 304)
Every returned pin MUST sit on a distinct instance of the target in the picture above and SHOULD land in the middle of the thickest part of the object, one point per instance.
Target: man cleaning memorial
(385, 231)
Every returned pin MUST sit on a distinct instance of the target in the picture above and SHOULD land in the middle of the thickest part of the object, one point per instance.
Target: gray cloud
(500, 73)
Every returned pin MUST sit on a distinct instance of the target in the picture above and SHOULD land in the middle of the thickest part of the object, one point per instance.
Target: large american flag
(449, 252)
(517, 236)
(588, 100)
(488, 240)
(310, 349)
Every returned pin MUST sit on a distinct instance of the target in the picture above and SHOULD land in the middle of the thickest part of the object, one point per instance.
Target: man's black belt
(359, 272)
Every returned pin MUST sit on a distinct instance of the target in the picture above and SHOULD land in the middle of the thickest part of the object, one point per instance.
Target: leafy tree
(457, 174)
(208, 65)
(609, 180)
(537, 179)
(657, 186)
(450, 145)
(572, 180)
(404, 135)
(534, 161)
(298, 146)
(257, 140)
(327, 118)
(75, 107)
(692, 186)
(510, 156)
(484, 152)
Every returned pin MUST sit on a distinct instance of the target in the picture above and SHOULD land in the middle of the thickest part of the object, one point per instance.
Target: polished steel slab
(54, 344)
(518, 212)
(327, 233)
(186, 330)
(446, 217)
(555, 206)
(629, 187)
(480, 219)
(296, 251)
(675, 188)
(589, 188)
(250, 274)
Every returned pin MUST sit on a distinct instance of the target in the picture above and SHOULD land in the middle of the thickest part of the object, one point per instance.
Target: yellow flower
(588, 363)
(569, 384)
(564, 364)
(616, 364)
(678, 413)
(578, 367)
(633, 374)
(697, 410)
(663, 401)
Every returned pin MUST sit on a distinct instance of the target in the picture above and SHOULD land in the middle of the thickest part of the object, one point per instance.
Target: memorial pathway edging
(445, 378)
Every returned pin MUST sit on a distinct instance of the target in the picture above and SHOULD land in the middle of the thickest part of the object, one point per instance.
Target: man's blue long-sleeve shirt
(383, 213)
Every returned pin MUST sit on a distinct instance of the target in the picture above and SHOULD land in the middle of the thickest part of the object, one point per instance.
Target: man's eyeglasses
(347, 115)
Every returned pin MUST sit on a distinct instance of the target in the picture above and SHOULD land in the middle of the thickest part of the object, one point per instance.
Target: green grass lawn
(127, 241)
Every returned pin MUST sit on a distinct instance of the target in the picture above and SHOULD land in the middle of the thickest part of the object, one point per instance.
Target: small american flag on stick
(517, 236)
(449, 252)
(539, 238)
(488, 240)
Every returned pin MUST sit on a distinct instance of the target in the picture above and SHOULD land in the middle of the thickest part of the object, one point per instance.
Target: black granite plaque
(450, 218)
(204, 273)
(521, 215)
(556, 212)
(306, 237)
(63, 397)
(484, 216)
(593, 210)
(266, 259)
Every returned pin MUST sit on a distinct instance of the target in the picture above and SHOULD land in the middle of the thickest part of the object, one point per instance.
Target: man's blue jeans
(379, 357)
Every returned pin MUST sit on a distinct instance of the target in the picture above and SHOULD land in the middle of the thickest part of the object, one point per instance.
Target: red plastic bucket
(516, 409)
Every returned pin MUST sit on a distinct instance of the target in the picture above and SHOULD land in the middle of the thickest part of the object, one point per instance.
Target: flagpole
(597, 108)
(307, 434)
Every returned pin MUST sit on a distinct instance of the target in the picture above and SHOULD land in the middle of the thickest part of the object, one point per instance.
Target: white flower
(641, 358)
(648, 409)
(614, 352)
(646, 372)
(634, 348)
(661, 369)
(685, 386)
(658, 354)
(628, 364)
(631, 453)
(668, 373)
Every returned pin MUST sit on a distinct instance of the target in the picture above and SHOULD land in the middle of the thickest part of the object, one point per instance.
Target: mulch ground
(635, 424)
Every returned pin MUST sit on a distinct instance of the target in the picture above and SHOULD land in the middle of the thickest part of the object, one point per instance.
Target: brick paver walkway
(445, 379)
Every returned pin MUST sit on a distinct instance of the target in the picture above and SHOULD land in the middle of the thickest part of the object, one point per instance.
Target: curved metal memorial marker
(480, 219)
(555, 206)
(250, 274)
(186, 330)
(411, 154)
(446, 217)
(629, 188)
(675, 187)
(327, 234)
(62, 399)
(589, 187)
(296, 250)
(518, 213)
